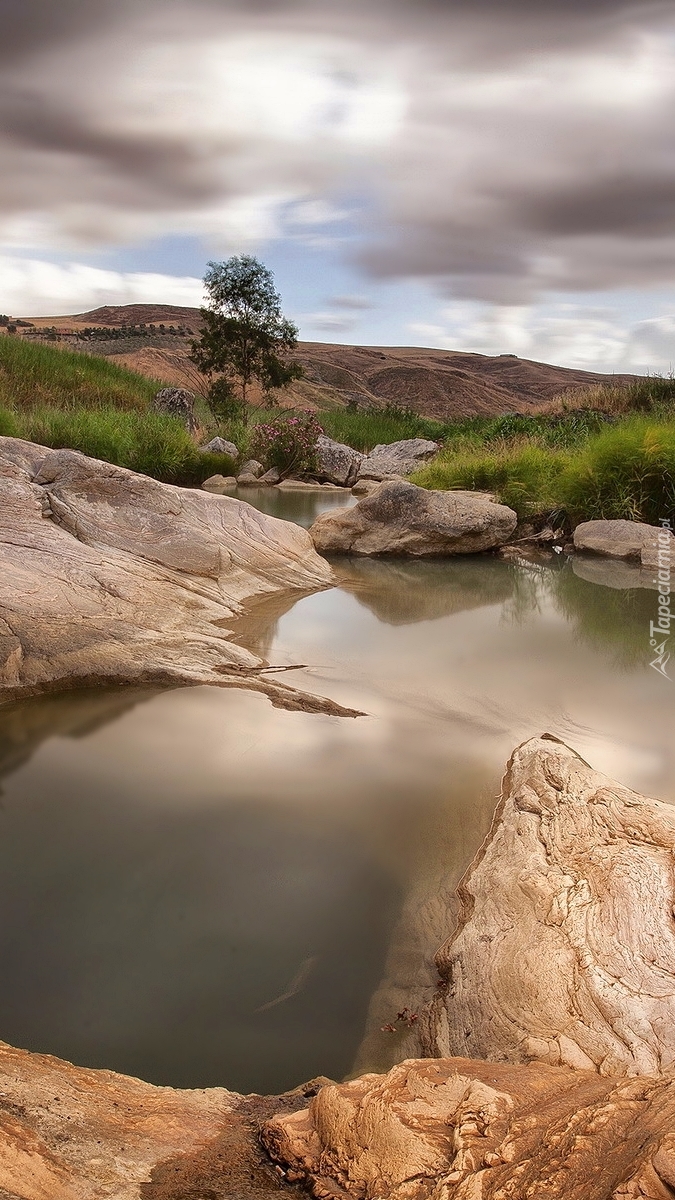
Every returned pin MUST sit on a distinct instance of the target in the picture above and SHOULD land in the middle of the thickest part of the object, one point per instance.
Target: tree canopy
(245, 335)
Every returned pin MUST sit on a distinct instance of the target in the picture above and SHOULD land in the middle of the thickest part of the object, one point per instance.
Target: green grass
(366, 428)
(33, 375)
(523, 475)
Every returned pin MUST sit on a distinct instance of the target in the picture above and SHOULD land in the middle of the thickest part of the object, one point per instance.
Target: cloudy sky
(490, 175)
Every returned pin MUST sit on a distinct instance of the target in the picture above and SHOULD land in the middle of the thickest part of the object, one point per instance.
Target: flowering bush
(287, 443)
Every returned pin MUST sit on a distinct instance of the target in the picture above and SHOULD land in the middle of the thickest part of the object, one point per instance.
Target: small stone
(271, 477)
(219, 484)
(218, 445)
(252, 467)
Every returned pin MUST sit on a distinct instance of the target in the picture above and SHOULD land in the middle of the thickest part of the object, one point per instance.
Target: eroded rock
(565, 946)
(402, 519)
(457, 1129)
(177, 402)
(109, 576)
(397, 458)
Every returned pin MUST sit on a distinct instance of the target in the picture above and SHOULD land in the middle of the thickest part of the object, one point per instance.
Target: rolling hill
(435, 383)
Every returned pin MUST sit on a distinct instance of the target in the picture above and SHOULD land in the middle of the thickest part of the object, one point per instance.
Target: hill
(435, 383)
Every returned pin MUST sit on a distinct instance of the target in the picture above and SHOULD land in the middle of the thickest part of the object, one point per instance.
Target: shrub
(627, 471)
(224, 403)
(287, 443)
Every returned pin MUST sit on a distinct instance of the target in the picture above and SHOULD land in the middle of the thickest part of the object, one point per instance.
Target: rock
(271, 477)
(455, 1129)
(565, 946)
(337, 463)
(67, 1133)
(626, 539)
(110, 577)
(177, 402)
(397, 458)
(614, 573)
(300, 485)
(252, 467)
(219, 484)
(365, 487)
(218, 445)
(402, 519)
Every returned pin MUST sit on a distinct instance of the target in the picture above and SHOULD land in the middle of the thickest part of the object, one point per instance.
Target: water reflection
(198, 888)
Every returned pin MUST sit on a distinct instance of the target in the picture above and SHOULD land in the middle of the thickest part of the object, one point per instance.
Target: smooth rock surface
(402, 519)
(336, 462)
(177, 402)
(457, 1129)
(219, 484)
(631, 540)
(219, 445)
(565, 946)
(107, 576)
(397, 458)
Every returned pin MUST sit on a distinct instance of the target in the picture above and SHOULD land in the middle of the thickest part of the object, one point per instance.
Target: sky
(486, 175)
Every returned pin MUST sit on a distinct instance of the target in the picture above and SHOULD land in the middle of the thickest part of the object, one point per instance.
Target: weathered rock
(397, 458)
(402, 519)
(219, 445)
(565, 947)
(219, 484)
(108, 576)
(631, 540)
(252, 467)
(365, 487)
(177, 402)
(271, 477)
(336, 462)
(67, 1133)
(457, 1129)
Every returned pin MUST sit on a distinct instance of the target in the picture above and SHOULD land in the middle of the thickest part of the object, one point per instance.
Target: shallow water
(200, 889)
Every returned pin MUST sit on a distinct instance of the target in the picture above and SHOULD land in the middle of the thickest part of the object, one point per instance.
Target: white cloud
(30, 287)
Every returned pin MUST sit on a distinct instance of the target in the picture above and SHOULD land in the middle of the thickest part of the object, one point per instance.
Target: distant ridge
(435, 383)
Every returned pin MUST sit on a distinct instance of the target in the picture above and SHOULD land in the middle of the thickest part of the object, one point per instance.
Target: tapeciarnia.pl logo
(659, 630)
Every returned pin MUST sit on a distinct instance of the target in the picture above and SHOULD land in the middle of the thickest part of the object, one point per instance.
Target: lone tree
(245, 336)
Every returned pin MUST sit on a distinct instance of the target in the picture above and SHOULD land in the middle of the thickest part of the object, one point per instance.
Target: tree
(245, 335)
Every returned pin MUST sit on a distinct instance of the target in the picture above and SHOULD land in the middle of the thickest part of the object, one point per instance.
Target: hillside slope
(436, 383)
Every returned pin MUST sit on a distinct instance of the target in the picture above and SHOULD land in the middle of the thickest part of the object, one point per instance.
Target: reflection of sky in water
(169, 872)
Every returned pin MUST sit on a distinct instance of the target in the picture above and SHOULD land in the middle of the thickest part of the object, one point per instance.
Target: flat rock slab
(632, 540)
(456, 1129)
(107, 576)
(397, 458)
(402, 519)
(565, 946)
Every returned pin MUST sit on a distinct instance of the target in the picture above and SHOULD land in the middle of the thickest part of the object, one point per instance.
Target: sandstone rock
(631, 540)
(457, 1129)
(111, 577)
(219, 445)
(271, 477)
(337, 463)
(397, 458)
(565, 947)
(177, 402)
(219, 484)
(402, 519)
(365, 487)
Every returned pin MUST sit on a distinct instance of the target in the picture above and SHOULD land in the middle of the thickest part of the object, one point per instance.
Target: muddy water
(200, 889)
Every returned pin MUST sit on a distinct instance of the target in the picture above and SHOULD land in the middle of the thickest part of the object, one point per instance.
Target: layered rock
(631, 540)
(565, 946)
(109, 576)
(336, 462)
(402, 519)
(457, 1129)
(397, 458)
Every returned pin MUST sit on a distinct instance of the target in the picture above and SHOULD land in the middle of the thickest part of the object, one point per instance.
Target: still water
(200, 889)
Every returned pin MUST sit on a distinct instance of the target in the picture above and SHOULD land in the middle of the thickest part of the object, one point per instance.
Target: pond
(200, 889)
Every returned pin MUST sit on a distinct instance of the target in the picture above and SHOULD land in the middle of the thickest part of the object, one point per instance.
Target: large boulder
(402, 519)
(337, 463)
(631, 540)
(460, 1130)
(107, 576)
(565, 946)
(397, 458)
(177, 402)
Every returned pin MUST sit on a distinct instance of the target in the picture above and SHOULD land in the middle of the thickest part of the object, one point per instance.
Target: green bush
(625, 472)
(522, 476)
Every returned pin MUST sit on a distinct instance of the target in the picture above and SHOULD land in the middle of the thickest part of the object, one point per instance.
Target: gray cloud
(530, 148)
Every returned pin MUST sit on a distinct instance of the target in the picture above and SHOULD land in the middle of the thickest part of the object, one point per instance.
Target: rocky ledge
(107, 576)
(399, 518)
